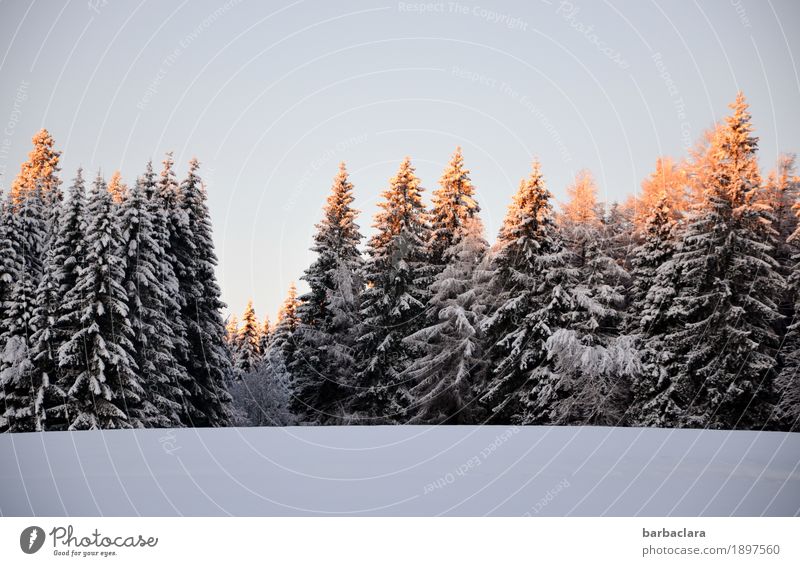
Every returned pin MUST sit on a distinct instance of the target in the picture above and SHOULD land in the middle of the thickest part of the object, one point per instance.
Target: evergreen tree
(263, 396)
(8, 256)
(528, 296)
(329, 311)
(117, 188)
(787, 383)
(590, 363)
(453, 204)
(97, 361)
(165, 219)
(232, 342)
(284, 339)
(248, 341)
(593, 363)
(208, 362)
(657, 248)
(161, 375)
(393, 303)
(24, 391)
(781, 192)
(723, 338)
(283, 346)
(582, 208)
(39, 174)
(171, 227)
(669, 183)
(445, 375)
(68, 255)
(617, 234)
(44, 340)
(264, 338)
(653, 288)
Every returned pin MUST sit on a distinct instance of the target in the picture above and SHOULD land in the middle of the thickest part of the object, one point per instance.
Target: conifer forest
(677, 308)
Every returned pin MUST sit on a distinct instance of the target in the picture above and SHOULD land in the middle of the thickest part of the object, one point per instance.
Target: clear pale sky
(270, 96)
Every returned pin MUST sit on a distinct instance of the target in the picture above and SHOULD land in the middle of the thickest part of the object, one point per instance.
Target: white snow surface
(401, 470)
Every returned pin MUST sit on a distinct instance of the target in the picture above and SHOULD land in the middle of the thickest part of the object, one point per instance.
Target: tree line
(674, 309)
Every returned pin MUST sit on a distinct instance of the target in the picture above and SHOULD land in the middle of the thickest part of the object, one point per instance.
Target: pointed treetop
(740, 106)
(168, 188)
(456, 192)
(739, 125)
(168, 161)
(288, 310)
(670, 181)
(402, 202)
(266, 326)
(453, 204)
(736, 151)
(40, 171)
(582, 205)
(117, 187)
(78, 182)
(341, 195)
(531, 195)
(100, 183)
(232, 326)
(249, 330)
(168, 171)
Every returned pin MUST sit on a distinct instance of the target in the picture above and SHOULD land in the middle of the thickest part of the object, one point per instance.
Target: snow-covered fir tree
(393, 304)
(592, 363)
(445, 377)
(8, 256)
(232, 343)
(248, 352)
(329, 312)
(164, 216)
(263, 396)
(283, 345)
(97, 362)
(781, 192)
(117, 188)
(527, 296)
(284, 337)
(40, 174)
(162, 377)
(669, 182)
(207, 362)
(264, 337)
(617, 234)
(45, 340)
(24, 392)
(582, 208)
(453, 204)
(657, 247)
(67, 257)
(653, 288)
(726, 284)
(786, 415)
(171, 226)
